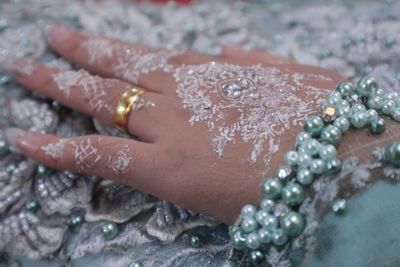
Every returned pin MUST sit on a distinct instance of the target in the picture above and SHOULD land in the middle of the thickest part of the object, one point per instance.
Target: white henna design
(93, 87)
(85, 154)
(55, 150)
(256, 103)
(120, 160)
(130, 61)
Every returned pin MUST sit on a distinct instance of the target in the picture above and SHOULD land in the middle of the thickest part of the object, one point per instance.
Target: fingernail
(29, 141)
(22, 67)
(56, 33)
(11, 136)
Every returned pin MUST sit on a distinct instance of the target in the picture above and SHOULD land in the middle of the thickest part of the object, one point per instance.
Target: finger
(97, 97)
(123, 160)
(113, 58)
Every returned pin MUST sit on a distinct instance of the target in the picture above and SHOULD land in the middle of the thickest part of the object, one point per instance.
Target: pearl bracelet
(279, 220)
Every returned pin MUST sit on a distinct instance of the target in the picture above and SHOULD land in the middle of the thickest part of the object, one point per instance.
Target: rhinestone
(329, 114)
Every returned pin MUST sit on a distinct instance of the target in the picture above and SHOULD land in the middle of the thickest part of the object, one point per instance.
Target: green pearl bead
(304, 160)
(293, 223)
(392, 154)
(268, 205)
(249, 225)
(279, 237)
(345, 89)
(252, 241)
(305, 177)
(344, 112)
(375, 102)
(76, 219)
(302, 137)
(327, 152)
(238, 240)
(331, 135)
(256, 257)
(32, 206)
(334, 99)
(248, 211)
(333, 166)
(359, 119)
(271, 188)
(367, 86)
(110, 230)
(358, 107)
(311, 147)
(378, 126)
(194, 241)
(342, 123)
(396, 114)
(391, 96)
(4, 148)
(264, 235)
(269, 222)
(314, 125)
(261, 215)
(229, 263)
(388, 107)
(372, 115)
(293, 194)
(317, 166)
(291, 158)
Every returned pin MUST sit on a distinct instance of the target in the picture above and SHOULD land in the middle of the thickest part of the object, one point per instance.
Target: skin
(172, 159)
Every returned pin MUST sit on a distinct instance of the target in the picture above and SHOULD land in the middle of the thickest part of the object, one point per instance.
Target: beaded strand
(278, 220)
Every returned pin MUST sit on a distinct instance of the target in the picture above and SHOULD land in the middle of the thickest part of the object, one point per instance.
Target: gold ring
(124, 107)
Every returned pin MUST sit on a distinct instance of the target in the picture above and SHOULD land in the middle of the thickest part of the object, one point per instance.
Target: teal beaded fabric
(52, 218)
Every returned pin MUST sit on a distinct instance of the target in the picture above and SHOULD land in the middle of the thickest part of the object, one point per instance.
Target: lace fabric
(352, 40)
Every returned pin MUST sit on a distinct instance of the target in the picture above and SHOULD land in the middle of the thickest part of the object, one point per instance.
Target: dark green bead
(256, 257)
(32, 206)
(110, 230)
(314, 125)
(333, 166)
(43, 170)
(339, 206)
(345, 89)
(10, 168)
(76, 219)
(195, 241)
(4, 148)
(135, 264)
(392, 154)
(230, 263)
(378, 126)
(331, 135)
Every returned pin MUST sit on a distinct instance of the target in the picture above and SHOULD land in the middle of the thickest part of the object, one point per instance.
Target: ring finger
(96, 96)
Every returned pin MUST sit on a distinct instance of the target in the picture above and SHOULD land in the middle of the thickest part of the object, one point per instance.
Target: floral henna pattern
(129, 61)
(254, 103)
(119, 161)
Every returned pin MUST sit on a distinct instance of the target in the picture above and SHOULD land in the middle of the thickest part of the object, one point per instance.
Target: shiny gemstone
(329, 114)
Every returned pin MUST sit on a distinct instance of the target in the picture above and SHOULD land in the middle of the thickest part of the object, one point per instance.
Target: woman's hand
(205, 125)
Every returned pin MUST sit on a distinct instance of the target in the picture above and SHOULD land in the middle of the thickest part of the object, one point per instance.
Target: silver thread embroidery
(256, 103)
(129, 61)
